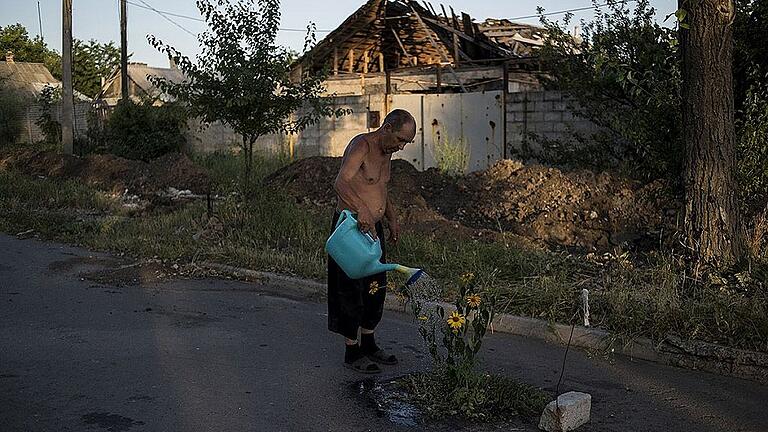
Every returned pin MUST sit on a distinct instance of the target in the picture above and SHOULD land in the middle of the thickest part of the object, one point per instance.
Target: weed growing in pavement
(453, 339)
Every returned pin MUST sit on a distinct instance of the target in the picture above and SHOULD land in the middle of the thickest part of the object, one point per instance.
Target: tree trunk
(247, 161)
(712, 225)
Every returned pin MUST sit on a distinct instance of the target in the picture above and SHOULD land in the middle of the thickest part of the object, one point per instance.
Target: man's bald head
(399, 118)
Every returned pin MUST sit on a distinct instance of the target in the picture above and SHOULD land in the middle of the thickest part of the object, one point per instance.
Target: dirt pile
(113, 173)
(577, 208)
(574, 209)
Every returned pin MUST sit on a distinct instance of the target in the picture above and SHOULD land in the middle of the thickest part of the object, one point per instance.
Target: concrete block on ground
(515, 107)
(567, 413)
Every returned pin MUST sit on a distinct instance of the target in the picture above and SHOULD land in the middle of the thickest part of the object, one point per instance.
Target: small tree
(241, 77)
(46, 121)
(92, 61)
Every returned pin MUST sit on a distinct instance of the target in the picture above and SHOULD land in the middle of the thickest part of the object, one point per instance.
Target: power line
(565, 11)
(166, 14)
(168, 19)
(202, 20)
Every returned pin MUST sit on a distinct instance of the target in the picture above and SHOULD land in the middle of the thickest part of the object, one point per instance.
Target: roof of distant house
(138, 74)
(31, 78)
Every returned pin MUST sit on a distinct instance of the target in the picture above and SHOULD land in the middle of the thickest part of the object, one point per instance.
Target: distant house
(29, 80)
(140, 88)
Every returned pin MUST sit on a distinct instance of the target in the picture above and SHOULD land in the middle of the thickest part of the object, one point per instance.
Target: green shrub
(142, 131)
(12, 107)
(624, 74)
(49, 126)
(752, 147)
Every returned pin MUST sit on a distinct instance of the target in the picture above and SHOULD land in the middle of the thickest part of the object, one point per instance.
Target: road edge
(672, 351)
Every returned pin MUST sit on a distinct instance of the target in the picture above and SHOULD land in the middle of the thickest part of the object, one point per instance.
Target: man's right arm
(350, 166)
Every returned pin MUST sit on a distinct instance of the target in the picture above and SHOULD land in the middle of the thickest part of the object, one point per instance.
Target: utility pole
(67, 99)
(40, 21)
(123, 50)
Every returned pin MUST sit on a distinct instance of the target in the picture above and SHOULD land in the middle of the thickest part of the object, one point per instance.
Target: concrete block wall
(330, 136)
(533, 116)
(30, 132)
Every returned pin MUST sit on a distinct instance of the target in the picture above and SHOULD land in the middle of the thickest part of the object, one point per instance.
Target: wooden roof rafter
(407, 33)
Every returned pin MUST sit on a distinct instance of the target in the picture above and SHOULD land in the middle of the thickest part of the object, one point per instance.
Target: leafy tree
(752, 147)
(15, 38)
(92, 61)
(241, 77)
(46, 121)
(750, 34)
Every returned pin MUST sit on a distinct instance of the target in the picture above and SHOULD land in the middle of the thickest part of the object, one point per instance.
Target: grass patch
(633, 296)
(486, 397)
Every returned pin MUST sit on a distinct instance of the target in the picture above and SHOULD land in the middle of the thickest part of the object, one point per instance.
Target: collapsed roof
(390, 34)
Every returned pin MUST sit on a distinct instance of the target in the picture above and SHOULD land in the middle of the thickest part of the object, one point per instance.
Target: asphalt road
(215, 355)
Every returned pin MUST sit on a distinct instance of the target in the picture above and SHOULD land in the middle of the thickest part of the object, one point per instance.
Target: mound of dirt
(580, 209)
(112, 173)
(577, 209)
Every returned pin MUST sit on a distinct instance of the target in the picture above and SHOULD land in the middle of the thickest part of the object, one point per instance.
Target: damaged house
(471, 86)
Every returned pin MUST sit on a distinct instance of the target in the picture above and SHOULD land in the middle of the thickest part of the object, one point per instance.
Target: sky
(99, 19)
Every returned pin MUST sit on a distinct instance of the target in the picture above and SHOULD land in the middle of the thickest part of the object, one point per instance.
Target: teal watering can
(357, 253)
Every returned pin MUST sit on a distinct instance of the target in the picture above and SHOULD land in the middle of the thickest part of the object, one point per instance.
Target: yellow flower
(423, 318)
(466, 278)
(374, 287)
(473, 300)
(455, 321)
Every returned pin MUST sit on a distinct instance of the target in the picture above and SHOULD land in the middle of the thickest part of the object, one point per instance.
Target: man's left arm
(394, 226)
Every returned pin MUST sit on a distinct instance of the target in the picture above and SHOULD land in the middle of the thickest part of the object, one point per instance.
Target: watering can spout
(413, 273)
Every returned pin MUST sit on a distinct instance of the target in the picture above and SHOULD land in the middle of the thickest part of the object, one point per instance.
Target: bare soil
(576, 209)
(112, 173)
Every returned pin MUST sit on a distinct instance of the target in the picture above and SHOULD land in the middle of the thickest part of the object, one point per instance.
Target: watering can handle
(348, 214)
(345, 214)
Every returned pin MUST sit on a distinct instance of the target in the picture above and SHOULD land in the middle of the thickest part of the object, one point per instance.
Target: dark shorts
(350, 303)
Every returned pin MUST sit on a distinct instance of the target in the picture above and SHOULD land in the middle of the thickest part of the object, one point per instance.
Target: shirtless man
(361, 187)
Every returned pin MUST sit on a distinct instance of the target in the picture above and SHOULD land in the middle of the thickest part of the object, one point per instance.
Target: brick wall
(31, 133)
(536, 115)
(330, 136)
